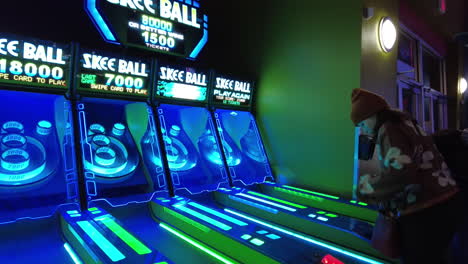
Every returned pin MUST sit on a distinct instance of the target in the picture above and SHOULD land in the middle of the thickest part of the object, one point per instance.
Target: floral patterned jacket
(411, 169)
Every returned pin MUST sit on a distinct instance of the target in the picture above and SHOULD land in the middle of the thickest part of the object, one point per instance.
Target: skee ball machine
(39, 197)
(250, 172)
(197, 171)
(122, 162)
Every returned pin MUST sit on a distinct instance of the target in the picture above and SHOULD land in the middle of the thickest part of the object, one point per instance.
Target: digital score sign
(32, 62)
(182, 83)
(169, 26)
(101, 73)
(226, 91)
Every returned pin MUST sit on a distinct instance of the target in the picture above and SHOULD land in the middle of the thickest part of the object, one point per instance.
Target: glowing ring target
(96, 129)
(32, 170)
(15, 159)
(13, 127)
(13, 141)
(105, 156)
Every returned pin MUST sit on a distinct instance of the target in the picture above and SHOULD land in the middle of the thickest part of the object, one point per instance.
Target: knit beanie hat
(364, 104)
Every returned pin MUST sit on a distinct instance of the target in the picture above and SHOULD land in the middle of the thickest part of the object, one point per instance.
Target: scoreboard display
(106, 73)
(32, 62)
(231, 92)
(183, 83)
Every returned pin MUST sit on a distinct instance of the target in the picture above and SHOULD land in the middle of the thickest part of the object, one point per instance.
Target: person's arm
(397, 169)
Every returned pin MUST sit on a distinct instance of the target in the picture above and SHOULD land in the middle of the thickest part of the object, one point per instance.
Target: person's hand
(464, 136)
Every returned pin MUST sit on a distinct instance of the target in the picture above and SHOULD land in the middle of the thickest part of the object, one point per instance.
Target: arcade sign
(182, 83)
(100, 73)
(32, 62)
(174, 27)
(232, 92)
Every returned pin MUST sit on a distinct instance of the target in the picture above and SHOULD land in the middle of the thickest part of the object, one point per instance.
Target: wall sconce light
(462, 85)
(387, 34)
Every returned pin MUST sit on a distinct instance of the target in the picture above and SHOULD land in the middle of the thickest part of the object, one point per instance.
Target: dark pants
(426, 236)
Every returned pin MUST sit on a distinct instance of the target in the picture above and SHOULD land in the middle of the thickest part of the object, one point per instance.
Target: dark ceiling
(448, 24)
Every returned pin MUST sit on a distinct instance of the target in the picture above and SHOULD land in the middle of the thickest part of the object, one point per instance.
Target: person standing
(413, 186)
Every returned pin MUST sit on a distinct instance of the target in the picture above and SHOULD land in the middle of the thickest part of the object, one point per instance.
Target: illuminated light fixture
(462, 85)
(197, 244)
(387, 34)
(72, 254)
(267, 202)
(304, 238)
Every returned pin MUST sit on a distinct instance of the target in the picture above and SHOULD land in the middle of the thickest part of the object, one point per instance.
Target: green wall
(304, 92)
(306, 56)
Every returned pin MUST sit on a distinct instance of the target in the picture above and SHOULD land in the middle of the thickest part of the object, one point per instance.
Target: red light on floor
(329, 259)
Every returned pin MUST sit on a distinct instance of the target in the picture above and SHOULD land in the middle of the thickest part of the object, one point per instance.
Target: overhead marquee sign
(32, 62)
(168, 26)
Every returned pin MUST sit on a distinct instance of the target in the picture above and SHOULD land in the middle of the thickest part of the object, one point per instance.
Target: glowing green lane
(128, 238)
(316, 193)
(196, 244)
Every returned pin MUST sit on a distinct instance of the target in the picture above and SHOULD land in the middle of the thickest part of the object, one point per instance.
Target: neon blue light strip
(87, 249)
(72, 254)
(202, 42)
(218, 214)
(356, 162)
(259, 206)
(99, 21)
(267, 202)
(110, 250)
(203, 217)
(305, 238)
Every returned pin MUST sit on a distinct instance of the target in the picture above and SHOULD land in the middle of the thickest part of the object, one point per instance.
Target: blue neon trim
(105, 245)
(202, 42)
(257, 205)
(218, 214)
(267, 202)
(196, 4)
(83, 244)
(99, 22)
(72, 254)
(305, 238)
(203, 217)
